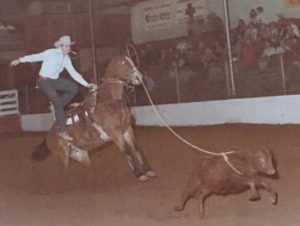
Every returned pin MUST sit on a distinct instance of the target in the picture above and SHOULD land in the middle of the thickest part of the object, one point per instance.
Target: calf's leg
(190, 191)
(273, 195)
(254, 193)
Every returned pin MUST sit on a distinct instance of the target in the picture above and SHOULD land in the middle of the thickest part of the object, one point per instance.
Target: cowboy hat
(64, 40)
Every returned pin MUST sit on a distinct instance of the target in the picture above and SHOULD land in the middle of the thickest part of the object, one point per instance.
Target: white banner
(157, 15)
(163, 19)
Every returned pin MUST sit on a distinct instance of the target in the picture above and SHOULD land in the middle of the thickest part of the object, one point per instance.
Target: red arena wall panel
(10, 124)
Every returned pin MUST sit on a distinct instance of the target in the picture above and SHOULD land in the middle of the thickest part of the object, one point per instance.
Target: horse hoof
(150, 173)
(178, 208)
(253, 199)
(274, 198)
(143, 178)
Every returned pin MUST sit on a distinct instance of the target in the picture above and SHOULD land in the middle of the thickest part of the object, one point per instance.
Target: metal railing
(177, 85)
(9, 104)
(280, 77)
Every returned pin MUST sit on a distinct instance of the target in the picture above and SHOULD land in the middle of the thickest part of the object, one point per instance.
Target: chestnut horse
(104, 116)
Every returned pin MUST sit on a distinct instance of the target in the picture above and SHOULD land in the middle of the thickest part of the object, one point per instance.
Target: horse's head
(122, 68)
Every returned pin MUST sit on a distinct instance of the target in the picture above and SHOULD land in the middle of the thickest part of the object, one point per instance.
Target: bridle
(133, 72)
(127, 83)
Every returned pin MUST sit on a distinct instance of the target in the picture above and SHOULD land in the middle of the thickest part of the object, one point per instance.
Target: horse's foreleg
(62, 152)
(125, 149)
(138, 153)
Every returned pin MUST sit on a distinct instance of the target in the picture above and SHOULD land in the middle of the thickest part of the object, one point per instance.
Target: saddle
(79, 112)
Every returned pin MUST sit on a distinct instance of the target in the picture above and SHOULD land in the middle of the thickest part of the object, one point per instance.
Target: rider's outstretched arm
(30, 58)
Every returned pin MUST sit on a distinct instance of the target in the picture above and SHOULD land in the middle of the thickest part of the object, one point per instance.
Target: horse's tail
(41, 152)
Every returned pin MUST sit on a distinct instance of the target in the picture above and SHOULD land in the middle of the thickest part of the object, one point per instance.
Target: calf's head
(263, 161)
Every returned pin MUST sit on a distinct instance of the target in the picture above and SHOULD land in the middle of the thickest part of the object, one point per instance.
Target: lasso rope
(135, 53)
(223, 154)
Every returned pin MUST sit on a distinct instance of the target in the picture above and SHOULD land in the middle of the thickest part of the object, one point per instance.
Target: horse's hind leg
(138, 153)
(60, 149)
(125, 149)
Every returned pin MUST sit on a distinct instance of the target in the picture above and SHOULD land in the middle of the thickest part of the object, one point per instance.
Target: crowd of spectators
(255, 43)
(193, 55)
(201, 55)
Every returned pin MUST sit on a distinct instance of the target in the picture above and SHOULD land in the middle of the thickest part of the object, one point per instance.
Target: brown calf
(214, 176)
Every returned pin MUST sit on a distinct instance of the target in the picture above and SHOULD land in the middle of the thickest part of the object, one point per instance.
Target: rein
(110, 80)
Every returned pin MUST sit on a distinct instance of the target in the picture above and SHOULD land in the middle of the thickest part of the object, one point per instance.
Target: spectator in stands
(253, 16)
(264, 32)
(170, 56)
(251, 32)
(271, 49)
(218, 49)
(293, 30)
(260, 18)
(237, 48)
(150, 84)
(183, 46)
(241, 28)
(273, 31)
(281, 21)
(268, 51)
(207, 59)
(292, 48)
(248, 53)
(258, 46)
(179, 61)
(283, 32)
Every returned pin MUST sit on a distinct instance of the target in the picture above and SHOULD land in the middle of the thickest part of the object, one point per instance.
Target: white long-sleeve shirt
(53, 63)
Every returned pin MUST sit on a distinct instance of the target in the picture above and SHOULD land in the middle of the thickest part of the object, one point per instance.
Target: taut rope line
(224, 154)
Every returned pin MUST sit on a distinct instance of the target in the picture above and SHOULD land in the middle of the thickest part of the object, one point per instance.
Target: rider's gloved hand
(92, 87)
(15, 62)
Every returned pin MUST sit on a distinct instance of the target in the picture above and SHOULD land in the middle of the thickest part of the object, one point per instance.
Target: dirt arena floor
(107, 194)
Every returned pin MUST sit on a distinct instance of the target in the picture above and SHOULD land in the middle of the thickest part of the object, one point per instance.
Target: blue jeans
(51, 87)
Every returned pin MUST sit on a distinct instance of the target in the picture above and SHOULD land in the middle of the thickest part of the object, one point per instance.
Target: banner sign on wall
(157, 15)
(160, 14)
(163, 19)
(292, 3)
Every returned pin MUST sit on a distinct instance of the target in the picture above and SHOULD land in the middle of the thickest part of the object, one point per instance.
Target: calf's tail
(41, 152)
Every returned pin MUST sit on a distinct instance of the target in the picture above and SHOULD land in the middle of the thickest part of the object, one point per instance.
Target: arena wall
(261, 110)
(37, 122)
